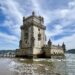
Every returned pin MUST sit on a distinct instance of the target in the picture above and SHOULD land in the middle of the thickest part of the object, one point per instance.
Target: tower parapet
(34, 20)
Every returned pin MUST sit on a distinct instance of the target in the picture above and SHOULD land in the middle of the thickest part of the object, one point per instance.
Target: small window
(39, 36)
(26, 41)
(26, 28)
(38, 29)
(26, 35)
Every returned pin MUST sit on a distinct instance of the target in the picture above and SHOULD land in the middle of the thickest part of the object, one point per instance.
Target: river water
(17, 66)
(70, 63)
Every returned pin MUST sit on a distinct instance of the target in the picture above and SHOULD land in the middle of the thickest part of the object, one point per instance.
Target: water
(70, 62)
(14, 66)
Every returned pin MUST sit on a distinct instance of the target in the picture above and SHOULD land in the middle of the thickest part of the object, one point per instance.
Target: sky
(59, 19)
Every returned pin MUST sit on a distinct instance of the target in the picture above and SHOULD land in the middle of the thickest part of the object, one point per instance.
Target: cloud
(8, 37)
(68, 40)
(8, 41)
(13, 21)
(12, 13)
(71, 4)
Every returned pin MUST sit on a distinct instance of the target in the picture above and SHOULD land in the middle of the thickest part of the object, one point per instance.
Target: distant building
(33, 39)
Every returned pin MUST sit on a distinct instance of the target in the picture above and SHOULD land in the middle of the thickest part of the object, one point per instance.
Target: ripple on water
(37, 67)
(34, 67)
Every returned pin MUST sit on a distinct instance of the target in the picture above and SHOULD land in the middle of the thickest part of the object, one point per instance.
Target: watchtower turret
(63, 46)
(49, 43)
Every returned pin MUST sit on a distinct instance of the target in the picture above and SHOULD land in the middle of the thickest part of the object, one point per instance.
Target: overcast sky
(59, 18)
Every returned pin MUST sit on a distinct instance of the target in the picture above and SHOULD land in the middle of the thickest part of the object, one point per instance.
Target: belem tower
(33, 40)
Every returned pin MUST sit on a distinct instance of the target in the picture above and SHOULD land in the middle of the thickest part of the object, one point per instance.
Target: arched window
(39, 36)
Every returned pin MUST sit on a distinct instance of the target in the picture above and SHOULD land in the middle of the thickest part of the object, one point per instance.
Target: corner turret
(33, 13)
(23, 18)
(49, 43)
(63, 46)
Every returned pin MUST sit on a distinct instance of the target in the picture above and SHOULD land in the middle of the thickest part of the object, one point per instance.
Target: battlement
(34, 18)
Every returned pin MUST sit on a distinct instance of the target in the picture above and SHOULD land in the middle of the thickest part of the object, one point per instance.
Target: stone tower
(32, 36)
